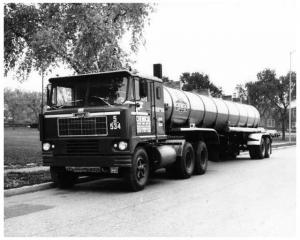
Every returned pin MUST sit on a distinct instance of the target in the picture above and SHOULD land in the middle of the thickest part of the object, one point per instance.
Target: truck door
(143, 107)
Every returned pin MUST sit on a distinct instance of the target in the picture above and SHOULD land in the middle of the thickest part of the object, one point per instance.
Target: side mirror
(143, 88)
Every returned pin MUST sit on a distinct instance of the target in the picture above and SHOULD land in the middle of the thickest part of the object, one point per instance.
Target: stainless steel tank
(184, 108)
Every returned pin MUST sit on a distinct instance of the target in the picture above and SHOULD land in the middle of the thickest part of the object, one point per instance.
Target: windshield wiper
(63, 105)
(103, 100)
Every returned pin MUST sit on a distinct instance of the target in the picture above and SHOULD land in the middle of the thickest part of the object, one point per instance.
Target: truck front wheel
(201, 157)
(184, 166)
(62, 178)
(137, 176)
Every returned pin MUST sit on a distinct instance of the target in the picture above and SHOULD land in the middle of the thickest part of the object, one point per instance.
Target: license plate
(84, 169)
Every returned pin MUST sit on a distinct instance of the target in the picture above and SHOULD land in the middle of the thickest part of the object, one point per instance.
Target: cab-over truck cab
(100, 123)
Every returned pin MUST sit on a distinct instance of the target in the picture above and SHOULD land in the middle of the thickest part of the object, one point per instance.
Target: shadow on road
(118, 185)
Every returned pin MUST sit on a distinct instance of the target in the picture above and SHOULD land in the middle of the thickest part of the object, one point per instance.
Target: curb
(48, 185)
(28, 189)
(283, 145)
(38, 187)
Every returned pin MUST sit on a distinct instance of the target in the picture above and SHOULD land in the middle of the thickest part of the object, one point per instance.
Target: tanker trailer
(229, 119)
(125, 124)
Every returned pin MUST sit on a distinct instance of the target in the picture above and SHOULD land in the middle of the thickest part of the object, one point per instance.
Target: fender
(255, 138)
(210, 135)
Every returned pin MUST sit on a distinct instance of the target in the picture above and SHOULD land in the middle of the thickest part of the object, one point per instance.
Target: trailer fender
(254, 139)
(208, 135)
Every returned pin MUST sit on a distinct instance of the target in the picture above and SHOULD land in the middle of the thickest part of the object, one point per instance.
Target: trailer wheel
(268, 147)
(62, 178)
(258, 151)
(184, 166)
(201, 158)
(137, 176)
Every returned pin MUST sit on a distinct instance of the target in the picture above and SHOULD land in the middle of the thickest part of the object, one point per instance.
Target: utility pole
(42, 105)
(290, 98)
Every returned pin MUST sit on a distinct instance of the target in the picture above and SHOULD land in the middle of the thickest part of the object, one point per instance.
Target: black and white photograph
(149, 118)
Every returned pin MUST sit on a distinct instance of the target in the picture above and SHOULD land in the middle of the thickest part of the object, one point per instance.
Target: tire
(257, 151)
(184, 166)
(201, 158)
(62, 178)
(137, 176)
(268, 147)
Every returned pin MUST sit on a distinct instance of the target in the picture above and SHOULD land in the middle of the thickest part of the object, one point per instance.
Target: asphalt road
(241, 197)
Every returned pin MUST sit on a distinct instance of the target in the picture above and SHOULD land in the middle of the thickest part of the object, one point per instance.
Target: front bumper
(88, 161)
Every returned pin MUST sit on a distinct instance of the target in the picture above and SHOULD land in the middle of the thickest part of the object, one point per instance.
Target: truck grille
(93, 126)
(78, 147)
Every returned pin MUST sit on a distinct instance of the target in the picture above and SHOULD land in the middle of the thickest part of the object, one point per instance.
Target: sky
(230, 40)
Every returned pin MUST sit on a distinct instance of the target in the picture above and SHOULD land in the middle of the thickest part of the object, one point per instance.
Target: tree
(13, 103)
(33, 101)
(21, 106)
(270, 92)
(170, 83)
(242, 93)
(197, 81)
(85, 37)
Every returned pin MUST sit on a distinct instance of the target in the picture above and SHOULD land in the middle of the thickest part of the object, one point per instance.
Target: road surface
(240, 197)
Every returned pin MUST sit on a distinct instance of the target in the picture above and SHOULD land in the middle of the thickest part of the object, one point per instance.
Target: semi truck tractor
(124, 124)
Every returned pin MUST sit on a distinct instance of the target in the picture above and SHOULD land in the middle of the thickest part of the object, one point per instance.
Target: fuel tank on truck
(188, 108)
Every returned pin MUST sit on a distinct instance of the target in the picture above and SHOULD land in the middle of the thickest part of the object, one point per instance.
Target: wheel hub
(140, 169)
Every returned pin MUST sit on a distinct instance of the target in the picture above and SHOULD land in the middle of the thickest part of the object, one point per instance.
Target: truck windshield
(89, 92)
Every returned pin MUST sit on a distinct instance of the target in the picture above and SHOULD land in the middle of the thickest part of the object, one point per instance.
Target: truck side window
(130, 96)
(141, 90)
(158, 93)
(137, 89)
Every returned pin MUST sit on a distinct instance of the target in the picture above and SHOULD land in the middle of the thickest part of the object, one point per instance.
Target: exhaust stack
(157, 70)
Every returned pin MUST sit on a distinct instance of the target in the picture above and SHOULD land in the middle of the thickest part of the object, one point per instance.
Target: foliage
(270, 92)
(86, 37)
(242, 93)
(170, 83)
(197, 81)
(22, 107)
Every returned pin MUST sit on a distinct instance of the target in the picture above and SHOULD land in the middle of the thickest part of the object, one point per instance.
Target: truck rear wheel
(201, 158)
(62, 178)
(184, 166)
(257, 151)
(137, 176)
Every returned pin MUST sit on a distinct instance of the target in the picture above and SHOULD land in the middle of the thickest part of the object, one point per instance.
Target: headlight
(122, 145)
(46, 146)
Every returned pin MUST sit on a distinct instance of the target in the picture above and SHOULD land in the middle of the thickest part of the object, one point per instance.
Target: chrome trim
(148, 136)
(103, 114)
(59, 115)
(71, 115)
(140, 113)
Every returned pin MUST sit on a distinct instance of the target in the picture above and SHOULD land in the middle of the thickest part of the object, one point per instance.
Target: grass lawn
(22, 146)
(19, 179)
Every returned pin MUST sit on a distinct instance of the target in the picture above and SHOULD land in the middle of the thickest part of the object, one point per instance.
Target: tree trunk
(283, 129)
